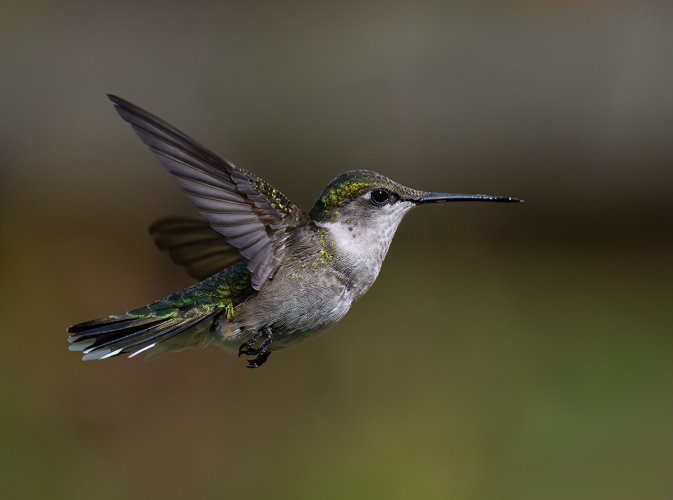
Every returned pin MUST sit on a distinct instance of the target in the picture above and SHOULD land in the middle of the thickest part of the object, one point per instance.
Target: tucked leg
(247, 347)
(262, 352)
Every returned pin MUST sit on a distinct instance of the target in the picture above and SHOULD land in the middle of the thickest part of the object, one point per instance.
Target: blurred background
(506, 352)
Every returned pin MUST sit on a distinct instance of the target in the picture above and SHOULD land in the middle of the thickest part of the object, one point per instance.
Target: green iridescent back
(224, 290)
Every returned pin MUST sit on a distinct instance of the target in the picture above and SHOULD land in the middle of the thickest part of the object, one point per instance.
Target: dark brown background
(521, 352)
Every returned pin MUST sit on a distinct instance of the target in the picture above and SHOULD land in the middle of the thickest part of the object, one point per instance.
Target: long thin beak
(447, 197)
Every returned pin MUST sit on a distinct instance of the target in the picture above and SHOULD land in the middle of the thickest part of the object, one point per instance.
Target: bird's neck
(358, 250)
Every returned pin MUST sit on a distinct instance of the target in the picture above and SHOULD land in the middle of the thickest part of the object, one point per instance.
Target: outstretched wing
(252, 216)
(194, 245)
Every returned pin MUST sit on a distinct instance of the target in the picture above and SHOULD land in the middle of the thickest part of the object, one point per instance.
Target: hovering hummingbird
(270, 274)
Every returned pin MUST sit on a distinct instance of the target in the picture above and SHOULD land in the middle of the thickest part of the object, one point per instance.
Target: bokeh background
(506, 352)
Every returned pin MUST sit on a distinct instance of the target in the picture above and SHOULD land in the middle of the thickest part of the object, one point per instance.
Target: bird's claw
(247, 348)
(262, 352)
(259, 360)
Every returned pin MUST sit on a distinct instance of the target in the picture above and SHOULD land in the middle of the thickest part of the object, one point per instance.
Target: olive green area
(348, 186)
(275, 198)
(335, 195)
(225, 289)
(546, 369)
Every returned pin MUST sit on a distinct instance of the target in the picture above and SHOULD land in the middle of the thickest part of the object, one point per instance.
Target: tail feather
(179, 321)
(134, 331)
(109, 324)
(118, 337)
(160, 335)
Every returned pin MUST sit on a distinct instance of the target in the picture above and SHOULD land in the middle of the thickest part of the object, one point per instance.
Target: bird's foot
(262, 352)
(247, 347)
(259, 360)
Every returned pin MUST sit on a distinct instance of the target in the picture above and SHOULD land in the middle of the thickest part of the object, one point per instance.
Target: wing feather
(251, 215)
(195, 245)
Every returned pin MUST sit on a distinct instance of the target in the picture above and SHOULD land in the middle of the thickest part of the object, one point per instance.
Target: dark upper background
(505, 352)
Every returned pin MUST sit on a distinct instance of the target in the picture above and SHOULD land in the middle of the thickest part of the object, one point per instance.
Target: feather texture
(194, 245)
(252, 216)
(189, 310)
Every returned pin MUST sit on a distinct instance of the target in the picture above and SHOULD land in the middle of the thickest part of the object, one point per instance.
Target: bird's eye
(379, 197)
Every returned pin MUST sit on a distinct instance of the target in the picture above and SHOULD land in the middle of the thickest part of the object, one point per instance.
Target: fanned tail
(138, 330)
(188, 313)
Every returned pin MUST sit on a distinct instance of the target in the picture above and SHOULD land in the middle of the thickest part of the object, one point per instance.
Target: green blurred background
(506, 352)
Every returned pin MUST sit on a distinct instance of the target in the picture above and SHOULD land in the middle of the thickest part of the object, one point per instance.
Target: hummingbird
(269, 274)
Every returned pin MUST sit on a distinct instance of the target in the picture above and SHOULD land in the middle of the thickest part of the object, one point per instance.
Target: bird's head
(363, 197)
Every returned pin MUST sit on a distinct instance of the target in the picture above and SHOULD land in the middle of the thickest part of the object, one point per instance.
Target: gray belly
(294, 309)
